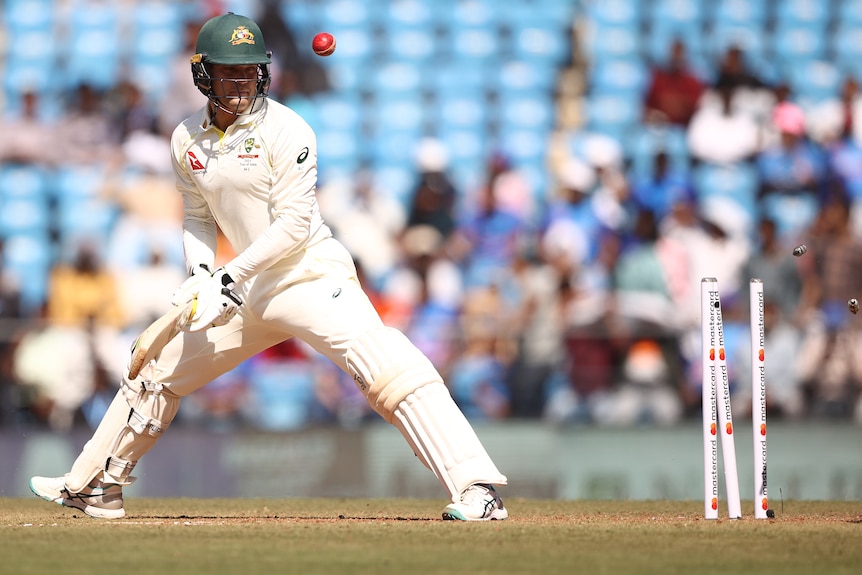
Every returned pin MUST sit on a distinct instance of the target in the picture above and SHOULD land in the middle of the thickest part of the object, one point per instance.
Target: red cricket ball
(323, 44)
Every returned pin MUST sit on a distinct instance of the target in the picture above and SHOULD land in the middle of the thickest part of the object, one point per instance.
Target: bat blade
(153, 339)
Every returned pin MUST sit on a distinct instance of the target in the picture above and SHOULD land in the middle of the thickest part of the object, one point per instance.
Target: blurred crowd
(575, 304)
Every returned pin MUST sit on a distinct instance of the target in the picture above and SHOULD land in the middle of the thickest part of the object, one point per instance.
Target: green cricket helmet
(230, 39)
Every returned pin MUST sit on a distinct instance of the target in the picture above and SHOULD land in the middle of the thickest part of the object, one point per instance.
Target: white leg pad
(138, 416)
(402, 385)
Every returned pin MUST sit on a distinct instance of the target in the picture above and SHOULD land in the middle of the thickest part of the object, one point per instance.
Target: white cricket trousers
(314, 296)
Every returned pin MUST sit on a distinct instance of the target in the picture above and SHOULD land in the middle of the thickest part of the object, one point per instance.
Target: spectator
(150, 217)
(792, 173)
(33, 134)
(784, 391)
(735, 75)
(130, 111)
(11, 314)
(477, 377)
(367, 220)
(538, 328)
(722, 134)
(180, 97)
(647, 392)
(85, 290)
(643, 295)
(86, 135)
(574, 225)
(772, 261)
(438, 295)
(612, 193)
(432, 201)
(487, 237)
(674, 90)
(830, 365)
(659, 190)
(54, 390)
(838, 118)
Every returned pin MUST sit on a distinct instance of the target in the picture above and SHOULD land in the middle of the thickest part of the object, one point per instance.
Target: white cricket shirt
(256, 181)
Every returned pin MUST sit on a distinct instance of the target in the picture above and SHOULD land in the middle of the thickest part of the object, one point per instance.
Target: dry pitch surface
(256, 536)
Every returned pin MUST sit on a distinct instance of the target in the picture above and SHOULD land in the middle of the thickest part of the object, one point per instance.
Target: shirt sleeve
(199, 226)
(293, 154)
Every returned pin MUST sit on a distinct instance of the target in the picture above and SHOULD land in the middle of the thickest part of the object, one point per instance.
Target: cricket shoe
(478, 502)
(101, 500)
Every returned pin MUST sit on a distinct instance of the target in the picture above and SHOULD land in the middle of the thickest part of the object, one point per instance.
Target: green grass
(256, 536)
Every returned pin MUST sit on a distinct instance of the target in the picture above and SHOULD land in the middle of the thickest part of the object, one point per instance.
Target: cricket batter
(248, 165)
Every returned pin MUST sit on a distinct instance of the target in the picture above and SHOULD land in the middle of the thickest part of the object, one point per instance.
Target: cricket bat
(153, 339)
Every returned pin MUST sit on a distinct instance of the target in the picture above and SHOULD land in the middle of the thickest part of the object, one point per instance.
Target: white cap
(603, 151)
(577, 175)
(432, 155)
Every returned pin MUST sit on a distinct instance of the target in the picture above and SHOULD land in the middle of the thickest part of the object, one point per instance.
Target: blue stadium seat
(457, 111)
(408, 15)
(459, 76)
(31, 60)
(814, 81)
(523, 145)
(602, 42)
(541, 44)
(20, 181)
(479, 45)
(468, 147)
(301, 17)
(619, 75)
(400, 112)
(849, 12)
(91, 218)
(557, 16)
(524, 77)
(740, 12)
(393, 148)
(93, 39)
(750, 37)
(395, 77)
(29, 258)
(283, 392)
(418, 45)
(21, 215)
(468, 14)
(615, 12)
(355, 45)
(73, 182)
(344, 13)
(657, 44)
(614, 115)
(647, 141)
(738, 182)
(26, 15)
(396, 181)
(792, 43)
(675, 13)
(338, 110)
(339, 150)
(157, 34)
(792, 213)
(845, 44)
(803, 12)
(535, 113)
(348, 76)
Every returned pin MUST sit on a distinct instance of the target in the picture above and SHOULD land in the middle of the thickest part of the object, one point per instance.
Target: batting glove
(190, 288)
(217, 302)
